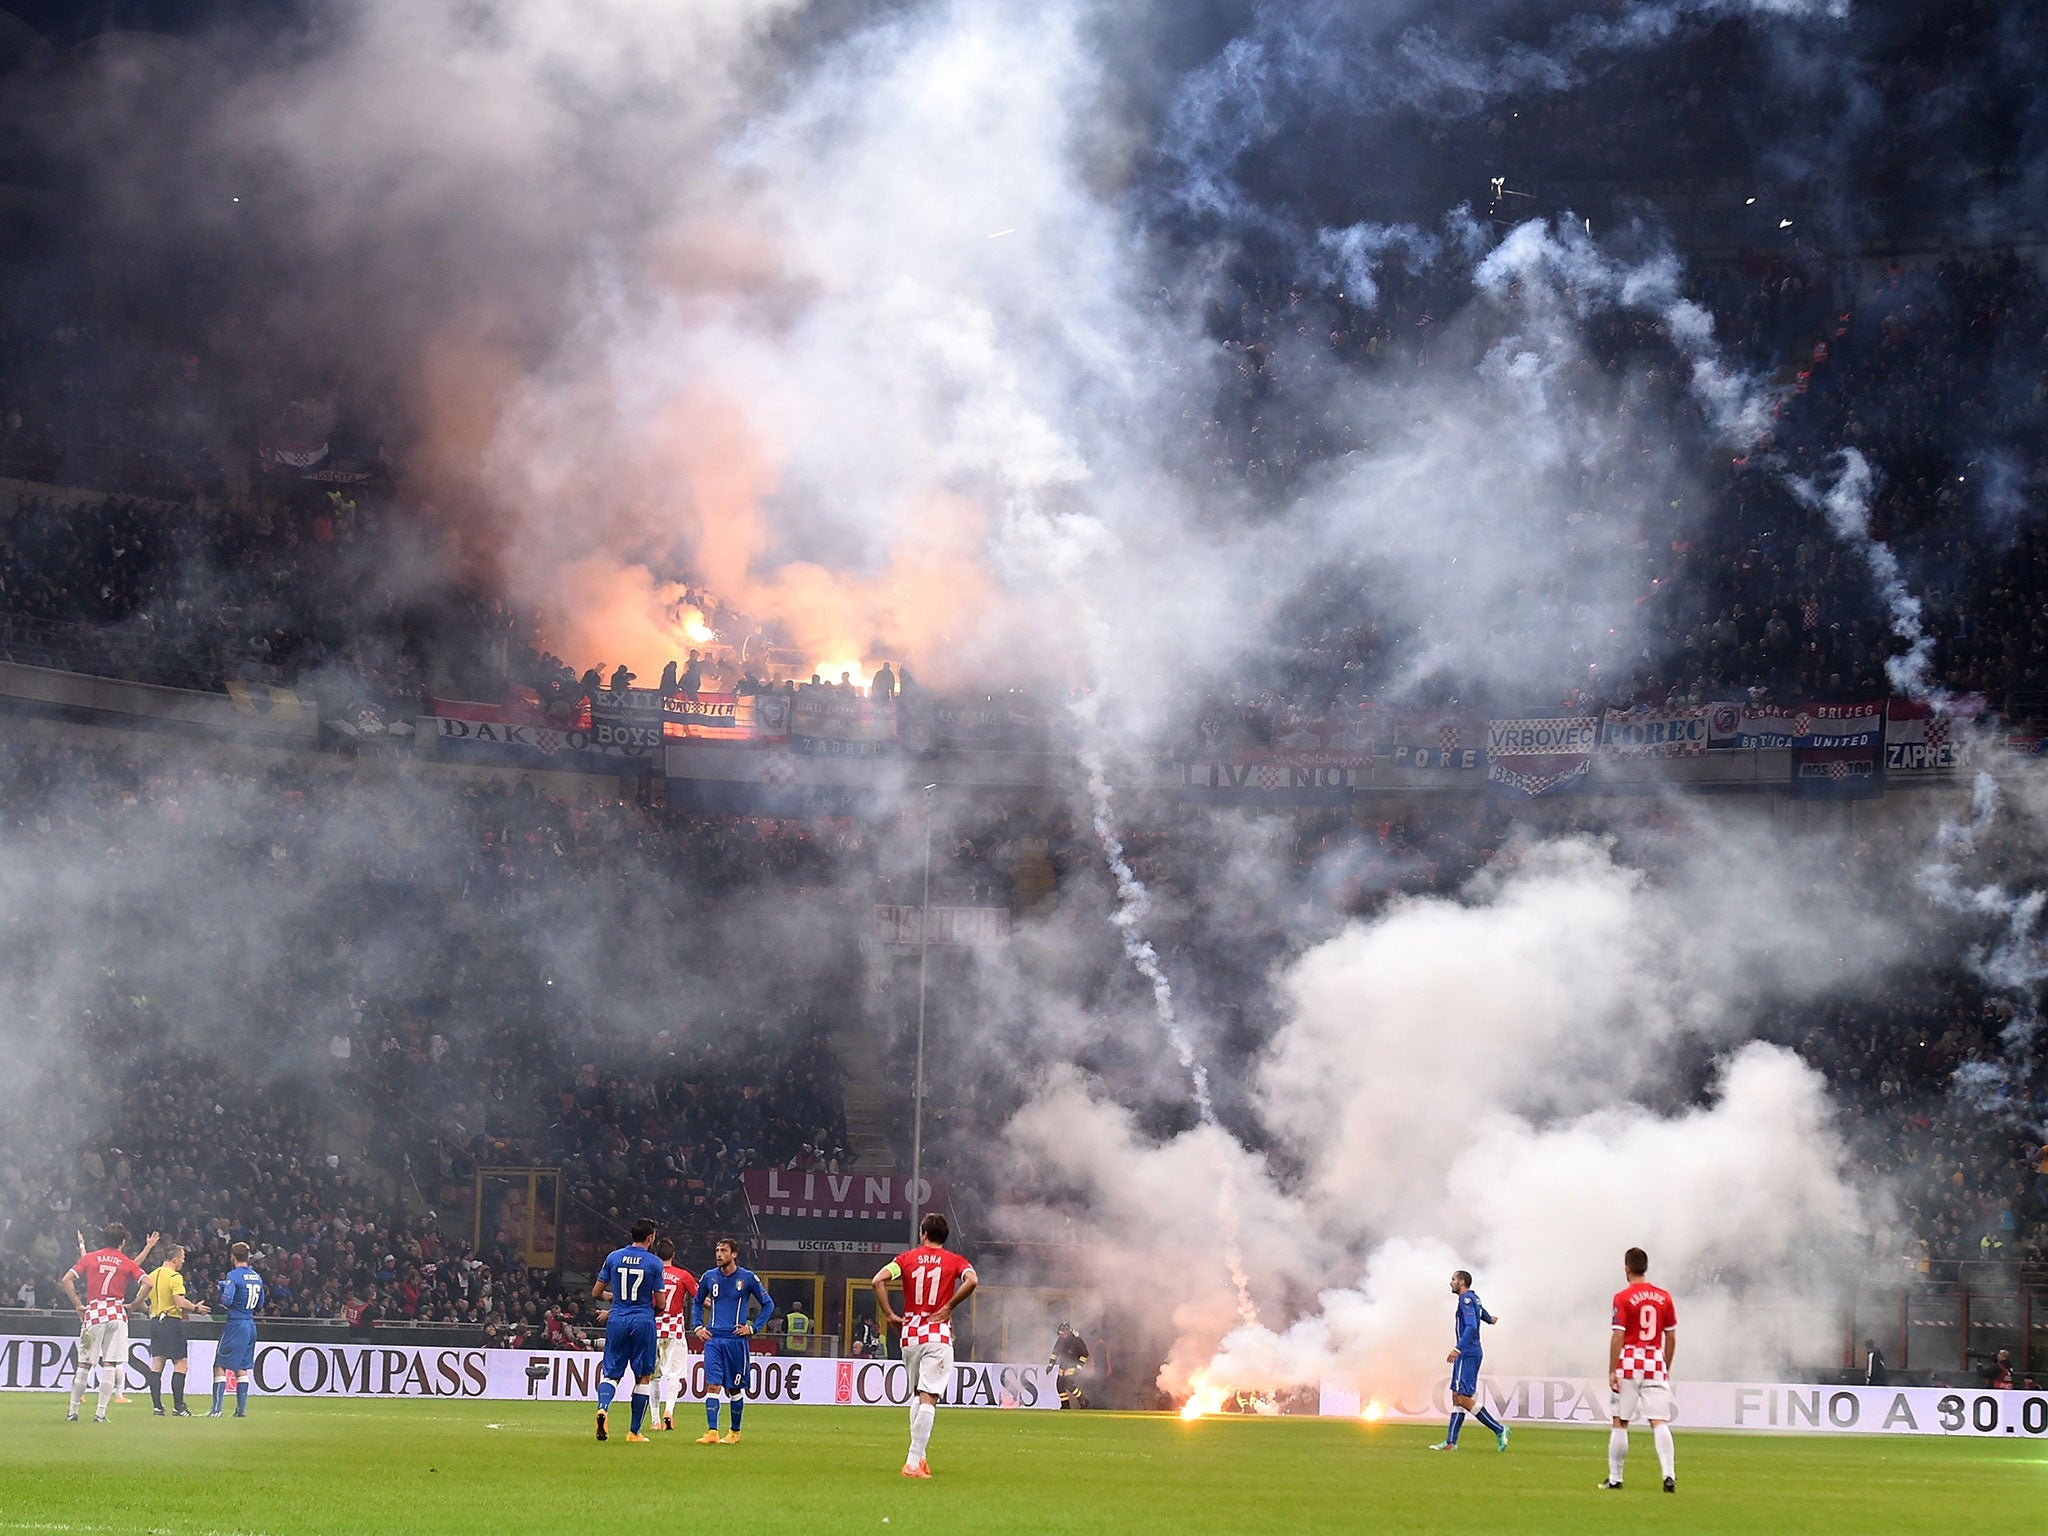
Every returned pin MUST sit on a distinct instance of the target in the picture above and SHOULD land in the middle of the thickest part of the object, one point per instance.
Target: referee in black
(168, 1308)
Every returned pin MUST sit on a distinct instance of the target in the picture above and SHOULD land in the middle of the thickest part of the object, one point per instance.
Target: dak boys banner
(1754, 727)
(1727, 1405)
(44, 1363)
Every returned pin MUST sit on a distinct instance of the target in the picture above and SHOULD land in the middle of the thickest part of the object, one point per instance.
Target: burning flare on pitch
(1204, 1397)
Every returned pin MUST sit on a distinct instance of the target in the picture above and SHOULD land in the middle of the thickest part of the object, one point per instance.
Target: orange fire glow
(1203, 1398)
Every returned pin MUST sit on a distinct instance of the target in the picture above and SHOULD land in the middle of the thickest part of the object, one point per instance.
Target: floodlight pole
(924, 940)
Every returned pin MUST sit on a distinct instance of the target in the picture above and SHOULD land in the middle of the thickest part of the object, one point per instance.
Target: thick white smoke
(1471, 1082)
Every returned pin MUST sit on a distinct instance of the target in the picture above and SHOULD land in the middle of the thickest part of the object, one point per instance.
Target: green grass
(313, 1465)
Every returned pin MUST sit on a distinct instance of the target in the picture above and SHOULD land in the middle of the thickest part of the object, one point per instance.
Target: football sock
(1617, 1453)
(177, 1389)
(79, 1378)
(1667, 1453)
(1457, 1423)
(606, 1391)
(156, 1389)
(241, 1397)
(922, 1414)
(711, 1410)
(1485, 1416)
(639, 1412)
(737, 1404)
(109, 1378)
(220, 1391)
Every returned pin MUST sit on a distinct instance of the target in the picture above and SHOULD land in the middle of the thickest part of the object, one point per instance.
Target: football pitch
(312, 1465)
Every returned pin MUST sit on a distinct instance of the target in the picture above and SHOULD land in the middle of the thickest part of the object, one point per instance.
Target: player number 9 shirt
(1644, 1313)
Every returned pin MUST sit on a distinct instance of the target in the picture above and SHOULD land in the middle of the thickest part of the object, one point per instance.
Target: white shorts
(675, 1358)
(929, 1367)
(1640, 1399)
(103, 1343)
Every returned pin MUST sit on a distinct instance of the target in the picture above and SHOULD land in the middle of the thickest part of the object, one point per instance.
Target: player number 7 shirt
(109, 1277)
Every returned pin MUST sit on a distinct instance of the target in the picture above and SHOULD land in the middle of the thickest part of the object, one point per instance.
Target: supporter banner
(541, 746)
(812, 1195)
(1561, 736)
(1836, 773)
(828, 722)
(1728, 1405)
(1434, 738)
(1919, 740)
(1646, 733)
(1006, 722)
(728, 717)
(1534, 776)
(1756, 726)
(898, 926)
(1272, 783)
(630, 719)
(41, 1363)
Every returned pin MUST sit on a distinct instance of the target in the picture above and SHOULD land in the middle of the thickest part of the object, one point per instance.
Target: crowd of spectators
(424, 994)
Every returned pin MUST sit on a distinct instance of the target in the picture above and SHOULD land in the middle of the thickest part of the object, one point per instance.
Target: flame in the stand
(695, 630)
(829, 671)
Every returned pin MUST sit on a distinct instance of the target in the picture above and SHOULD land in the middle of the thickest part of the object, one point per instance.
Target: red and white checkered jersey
(110, 1278)
(1643, 1314)
(674, 1322)
(931, 1278)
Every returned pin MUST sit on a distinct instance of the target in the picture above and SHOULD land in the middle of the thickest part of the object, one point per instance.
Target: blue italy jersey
(721, 1301)
(634, 1275)
(1470, 1315)
(241, 1294)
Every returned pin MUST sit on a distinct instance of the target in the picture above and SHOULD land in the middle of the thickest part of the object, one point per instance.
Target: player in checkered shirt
(112, 1280)
(672, 1326)
(1639, 1353)
(934, 1283)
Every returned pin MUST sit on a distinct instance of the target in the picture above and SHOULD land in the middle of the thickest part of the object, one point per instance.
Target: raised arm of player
(884, 1276)
(962, 1289)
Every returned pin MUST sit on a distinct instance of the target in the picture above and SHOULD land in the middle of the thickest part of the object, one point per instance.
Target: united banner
(1919, 739)
(1752, 727)
(1647, 733)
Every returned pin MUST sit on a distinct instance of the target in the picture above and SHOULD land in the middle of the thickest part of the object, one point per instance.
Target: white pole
(924, 932)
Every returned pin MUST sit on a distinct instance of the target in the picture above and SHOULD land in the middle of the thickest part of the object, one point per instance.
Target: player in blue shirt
(1464, 1362)
(241, 1298)
(718, 1315)
(633, 1280)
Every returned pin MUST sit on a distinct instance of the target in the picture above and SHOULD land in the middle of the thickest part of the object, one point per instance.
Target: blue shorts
(237, 1348)
(1465, 1376)
(629, 1345)
(725, 1365)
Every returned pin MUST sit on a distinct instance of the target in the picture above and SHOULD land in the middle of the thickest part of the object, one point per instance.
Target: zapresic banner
(1728, 1405)
(1918, 739)
(44, 1363)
